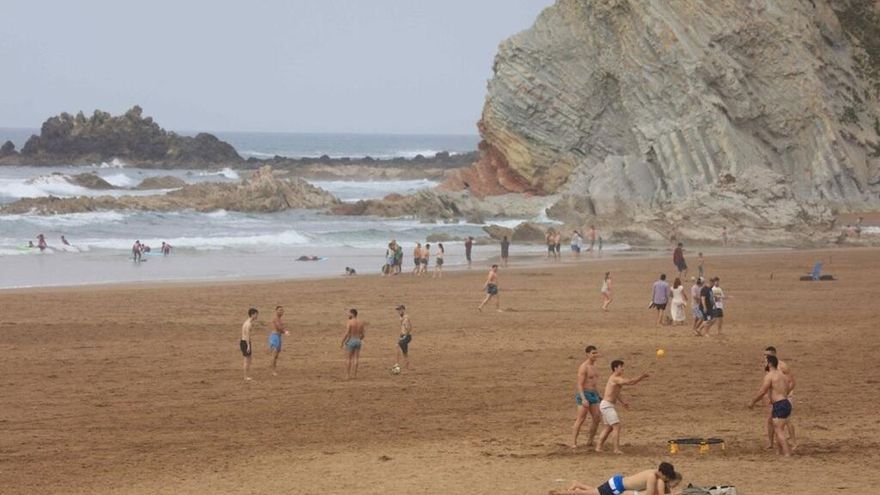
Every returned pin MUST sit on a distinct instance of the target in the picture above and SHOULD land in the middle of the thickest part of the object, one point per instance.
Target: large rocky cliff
(652, 108)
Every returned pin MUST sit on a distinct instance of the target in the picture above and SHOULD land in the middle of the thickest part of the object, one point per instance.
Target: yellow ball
(661, 353)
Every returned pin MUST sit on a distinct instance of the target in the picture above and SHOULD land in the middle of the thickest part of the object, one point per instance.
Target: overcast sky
(399, 66)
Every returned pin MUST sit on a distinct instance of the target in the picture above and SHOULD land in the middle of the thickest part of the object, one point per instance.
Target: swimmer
(587, 396)
(352, 342)
(245, 344)
(64, 241)
(649, 482)
(614, 394)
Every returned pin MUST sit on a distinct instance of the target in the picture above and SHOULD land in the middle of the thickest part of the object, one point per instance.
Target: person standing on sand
(245, 343)
(426, 257)
(614, 394)
(405, 337)
(660, 297)
(551, 243)
(700, 265)
(438, 269)
(593, 237)
(718, 298)
(352, 343)
(606, 291)
(649, 482)
(707, 307)
(724, 236)
(417, 259)
(678, 261)
(679, 302)
(587, 397)
(786, 370)
(468, 247)
(576, 241)
(775, 386)
(505, 251)
(491, 287)
(398, 258)
(696, 309)
(137, 252)
(557, 245)
(278, 329)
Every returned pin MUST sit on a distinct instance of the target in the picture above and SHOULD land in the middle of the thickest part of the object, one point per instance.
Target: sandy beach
(137, 390)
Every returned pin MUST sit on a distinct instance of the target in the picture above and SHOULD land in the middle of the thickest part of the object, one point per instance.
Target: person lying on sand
(648, 482)
(308, 258)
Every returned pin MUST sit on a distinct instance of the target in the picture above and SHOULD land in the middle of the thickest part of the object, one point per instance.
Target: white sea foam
(208, 243)
(114, 163)
(120, 180)
(46, 185)
(358, 155)
(226, 172)
(67, 220)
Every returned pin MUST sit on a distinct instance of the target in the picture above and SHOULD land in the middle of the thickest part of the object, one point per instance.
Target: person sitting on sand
(648, 482)
(350, 271)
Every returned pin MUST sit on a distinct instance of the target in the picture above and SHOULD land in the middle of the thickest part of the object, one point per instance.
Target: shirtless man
(775, 386)
(426, 257)
(593, 238)
(352, 342)
(650, 482)
(786, 370)
(405, 337)
(587, 396)
(417, 259)
(278, 329)
(614, 394)
(245, 344)
(491, 288)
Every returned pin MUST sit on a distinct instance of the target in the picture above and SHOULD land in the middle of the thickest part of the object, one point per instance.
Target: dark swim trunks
(417, 261)
(245, 348)
(492, 289)
(781, 409)
(403, 343)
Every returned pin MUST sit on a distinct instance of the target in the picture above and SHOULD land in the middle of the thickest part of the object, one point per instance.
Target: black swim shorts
(245, 348)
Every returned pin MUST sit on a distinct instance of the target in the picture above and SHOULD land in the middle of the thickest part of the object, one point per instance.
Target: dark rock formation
(8, 149)
(133, 138)
(161, 182)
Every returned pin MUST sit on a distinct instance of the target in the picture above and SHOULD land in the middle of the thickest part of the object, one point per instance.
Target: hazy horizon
(309, 66)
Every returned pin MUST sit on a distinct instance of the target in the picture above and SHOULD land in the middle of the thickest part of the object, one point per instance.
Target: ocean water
(221, 245)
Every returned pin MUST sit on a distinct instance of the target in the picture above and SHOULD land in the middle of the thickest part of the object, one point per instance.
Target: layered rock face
(77, 139)
(635, 107)
(262, 192)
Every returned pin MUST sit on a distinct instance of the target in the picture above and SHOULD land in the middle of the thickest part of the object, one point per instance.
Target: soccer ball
(395, 370)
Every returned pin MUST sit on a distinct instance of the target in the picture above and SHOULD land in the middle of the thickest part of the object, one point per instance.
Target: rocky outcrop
(8, 149)
(76, 139)
(89, 181)
(262, 192)
(162, 182)
(638, 109)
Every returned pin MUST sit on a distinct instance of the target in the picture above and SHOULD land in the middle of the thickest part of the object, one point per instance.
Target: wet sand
(130, 390)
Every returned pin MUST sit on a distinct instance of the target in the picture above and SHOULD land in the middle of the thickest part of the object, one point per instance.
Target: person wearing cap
(648, 482)
(405, 337)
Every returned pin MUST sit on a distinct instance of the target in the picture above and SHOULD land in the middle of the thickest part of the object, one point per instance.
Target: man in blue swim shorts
(649, 482)
(587, 396)
(491, 287)
(776, 386)
(278, 329)
(352, 342)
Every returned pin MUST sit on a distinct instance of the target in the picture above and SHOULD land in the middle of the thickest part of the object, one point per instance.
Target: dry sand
(138, 390)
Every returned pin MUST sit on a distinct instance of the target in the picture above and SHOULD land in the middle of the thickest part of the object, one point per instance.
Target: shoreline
(525, 261)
